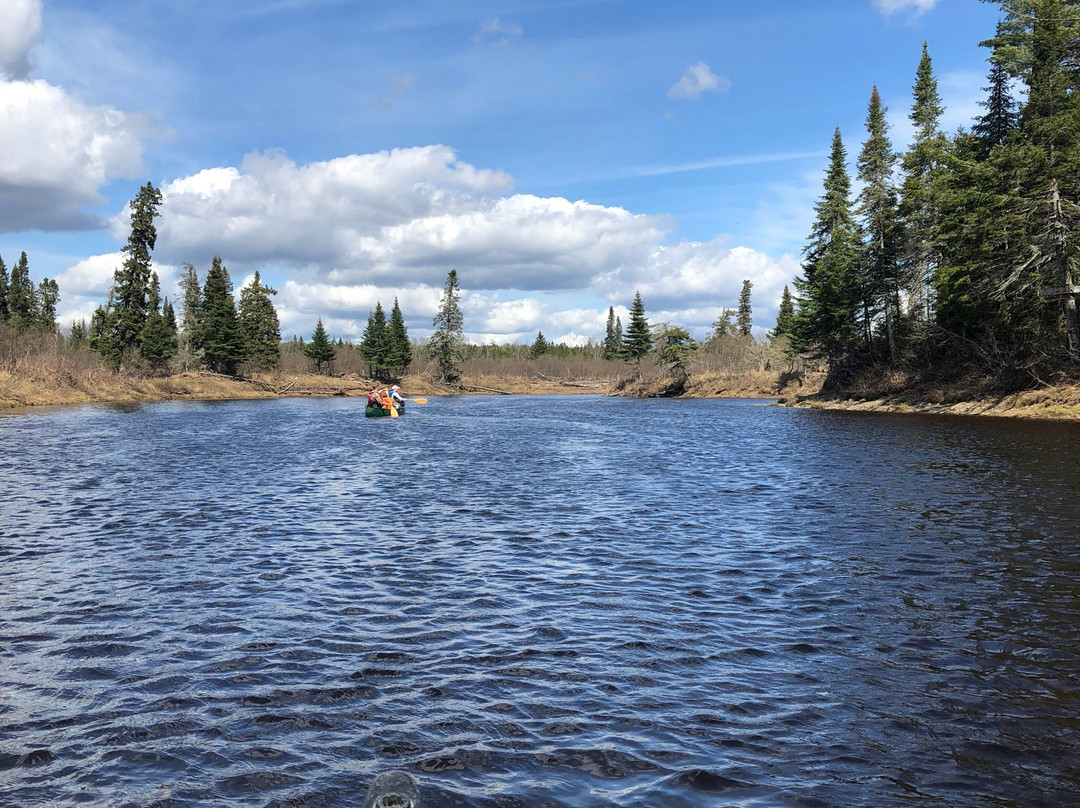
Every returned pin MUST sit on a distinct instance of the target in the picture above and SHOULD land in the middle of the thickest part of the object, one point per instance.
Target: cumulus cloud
(57, 153)
(698, 79)
(20, 30)
(890, 7)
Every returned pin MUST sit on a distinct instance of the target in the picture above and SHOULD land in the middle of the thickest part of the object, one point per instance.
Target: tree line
(24, 304)
(959, 253)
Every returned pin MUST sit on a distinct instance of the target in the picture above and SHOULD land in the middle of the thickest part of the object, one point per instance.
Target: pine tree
(744, 319)
(619, 343)
(131, 281)
(539, 346)
(21, 299)
(5, 314)
(448, 335)
(259, 326)
(674, 346)
(829, 291)
(320, 350)
(724, 324)
(878, 210)
(785, 316)
(638, 340)
(79, 334)
(219, 328)
(375, 343)
(399, 355)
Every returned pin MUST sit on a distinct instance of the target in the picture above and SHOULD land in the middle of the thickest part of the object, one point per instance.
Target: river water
(537, 601)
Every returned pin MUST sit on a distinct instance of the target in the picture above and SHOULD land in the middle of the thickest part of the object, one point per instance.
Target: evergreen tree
(79, 334)
(612, 347)
(448, 336)
(220, 338)
(638, 340)
(375, 343)
(674, 346)
(48, 295)
(259, 326)
(21, 299)
(131, 281)
(100, 327)
(5, 314)
(724, 324)
(1002, 116)
(829, 291)
(399, 355)
(539, 347)
(744, 319)
(785, 316)
(878, 210)
(158, 337)
(320, 350)
(924, 167)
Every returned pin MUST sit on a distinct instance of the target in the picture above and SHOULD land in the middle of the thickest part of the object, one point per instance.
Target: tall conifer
(132, 279)
(448, 335)
(375, 344)
(5, 314)
(638, 341)
(399, 354)
(744, 320)
(320, 350)
(220, 338)
(259, 326)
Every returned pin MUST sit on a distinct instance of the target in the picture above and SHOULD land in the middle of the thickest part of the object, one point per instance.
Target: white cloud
(20, 30)
(498, 33)
(698, 79)
(57, 153)
(86, 284)
(890, 7)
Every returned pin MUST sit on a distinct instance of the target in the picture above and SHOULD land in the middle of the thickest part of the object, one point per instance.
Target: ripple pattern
(536, 601)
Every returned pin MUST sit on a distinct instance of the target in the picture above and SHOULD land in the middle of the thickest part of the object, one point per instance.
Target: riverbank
(93, 386)
(1056, 403)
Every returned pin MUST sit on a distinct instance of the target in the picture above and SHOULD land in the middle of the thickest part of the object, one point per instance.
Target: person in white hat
(395, 394)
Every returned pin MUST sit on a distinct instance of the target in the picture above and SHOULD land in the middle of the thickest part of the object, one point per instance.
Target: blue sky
(560, 154)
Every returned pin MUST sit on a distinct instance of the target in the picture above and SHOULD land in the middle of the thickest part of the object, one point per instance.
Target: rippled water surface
(537, 601)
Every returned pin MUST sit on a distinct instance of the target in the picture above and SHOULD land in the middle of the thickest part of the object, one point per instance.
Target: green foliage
(158, 339)
(20, 297)
(744, 320)
(674, 346)
(375, 344)
(613, 337)
(320, 350)
(5, 313)
(724, 324)
(220, 337)
(131, 281)
(79, 334)
(785, 316)
(539, 347)
(446, 341)
(830, 292)
(259, 327)
(399, 350)
(638, 341)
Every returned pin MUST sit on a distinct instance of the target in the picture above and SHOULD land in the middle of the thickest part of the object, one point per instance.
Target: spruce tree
(79, 334)
(879, 284)
(48, 295)
(1001, 117)
(638, 340)
(674, 347)
(924, 170)
(220, 338)
(399, 354)
(785, 316)
(5, 314)
(609, 350)
(829, 291)
(131, 281)
(320, 350)
(539, 346)
(259, 326)
(448, 335)
(375, 344)
(618, 343)
(744, 319)
(21, 298)
(158, 337)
